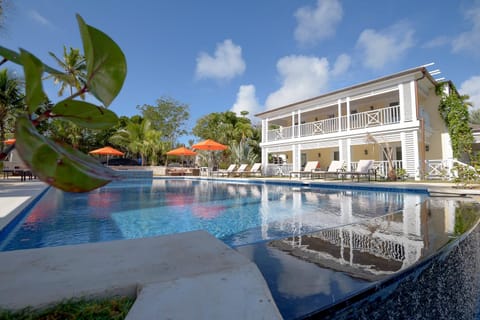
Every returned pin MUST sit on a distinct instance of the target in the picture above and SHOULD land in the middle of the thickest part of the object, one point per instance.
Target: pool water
(237, 213)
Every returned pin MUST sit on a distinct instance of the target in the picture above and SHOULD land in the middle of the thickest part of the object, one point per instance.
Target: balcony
(362, 120)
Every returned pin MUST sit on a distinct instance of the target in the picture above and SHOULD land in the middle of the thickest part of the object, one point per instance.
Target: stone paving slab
(238, 293)
(45, 276)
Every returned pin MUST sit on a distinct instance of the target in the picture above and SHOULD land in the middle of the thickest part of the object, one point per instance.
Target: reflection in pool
(308, 273)
(236, 213)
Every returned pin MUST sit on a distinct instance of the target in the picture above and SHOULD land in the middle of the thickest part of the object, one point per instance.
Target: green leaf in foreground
(14, 57)
(106, 63)
(33, 70)
(10, 55)
(85, 114)
(61, 166)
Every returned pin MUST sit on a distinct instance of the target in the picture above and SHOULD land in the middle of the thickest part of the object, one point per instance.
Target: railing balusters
(378, 117)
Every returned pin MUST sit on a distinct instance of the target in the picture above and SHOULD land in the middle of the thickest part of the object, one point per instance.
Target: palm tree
(75, 67)
(66, 132)
(139, 138)
(243, 130)
(11, 100)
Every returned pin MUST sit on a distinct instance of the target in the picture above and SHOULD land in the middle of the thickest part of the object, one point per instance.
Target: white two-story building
(399, 111)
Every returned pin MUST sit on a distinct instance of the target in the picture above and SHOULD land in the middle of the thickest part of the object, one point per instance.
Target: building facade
(396, 114)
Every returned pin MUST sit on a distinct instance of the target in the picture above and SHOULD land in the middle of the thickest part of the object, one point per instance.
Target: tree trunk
(392, 174)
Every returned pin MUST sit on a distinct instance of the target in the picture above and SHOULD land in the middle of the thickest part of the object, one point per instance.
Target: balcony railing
(362, 120)
(280, 134)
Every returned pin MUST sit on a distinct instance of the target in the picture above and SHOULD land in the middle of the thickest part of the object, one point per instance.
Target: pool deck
(166, 274)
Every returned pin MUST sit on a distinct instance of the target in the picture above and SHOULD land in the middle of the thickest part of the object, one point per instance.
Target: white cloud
(341, 64)
(385, 46)
(246, 101)
(316, 24)
(302, 77)
(469, 41)
(39, 18)
(226, 63)
(472, 88)
(437, 42)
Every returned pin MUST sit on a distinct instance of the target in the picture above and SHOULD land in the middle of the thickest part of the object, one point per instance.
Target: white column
(401, 101)
(296, 161)
(299, 134)
(339, 106)
(293, 124)
(264, 130)
(413, 98)
(348, 113)
(348, 150)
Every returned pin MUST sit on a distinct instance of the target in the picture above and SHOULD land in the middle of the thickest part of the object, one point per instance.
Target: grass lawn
(116, 308)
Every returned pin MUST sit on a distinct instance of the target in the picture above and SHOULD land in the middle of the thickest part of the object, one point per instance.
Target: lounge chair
(225, 172)
(307, 171)
(254, 170)
(364, 168)
(334, 169)
(239, 171)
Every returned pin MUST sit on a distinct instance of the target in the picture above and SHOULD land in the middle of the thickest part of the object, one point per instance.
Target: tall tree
(75, 67)
(10, 101)
(218, 126)
(168, 117)
(237, 132)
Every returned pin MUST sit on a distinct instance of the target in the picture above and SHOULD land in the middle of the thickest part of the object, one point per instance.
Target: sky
(217, 55)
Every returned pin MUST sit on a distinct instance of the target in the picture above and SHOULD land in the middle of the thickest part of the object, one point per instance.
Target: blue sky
(217, 55)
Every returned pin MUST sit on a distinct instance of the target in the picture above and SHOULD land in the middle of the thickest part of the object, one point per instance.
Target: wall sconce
(319, 154)
(365, 151)
(427, 147)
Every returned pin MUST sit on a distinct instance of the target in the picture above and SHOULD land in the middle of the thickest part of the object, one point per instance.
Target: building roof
(421, 69)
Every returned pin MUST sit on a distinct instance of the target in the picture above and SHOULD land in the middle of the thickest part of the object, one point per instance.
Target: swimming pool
(236, 213)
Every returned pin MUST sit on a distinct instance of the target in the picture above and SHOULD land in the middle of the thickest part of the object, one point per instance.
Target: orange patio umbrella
(107, 151)
(182, 151)
(209, 145)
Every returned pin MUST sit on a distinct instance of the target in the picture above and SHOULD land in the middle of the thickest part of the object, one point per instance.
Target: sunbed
(334, 169)
(224, 172)
(239, 171)
(307, 171)
(364, 168)
(254, 170)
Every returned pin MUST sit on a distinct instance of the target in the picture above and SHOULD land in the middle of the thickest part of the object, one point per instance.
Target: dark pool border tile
(383, 288)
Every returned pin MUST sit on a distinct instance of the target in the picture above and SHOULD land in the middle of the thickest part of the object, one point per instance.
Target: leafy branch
(61, 165)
